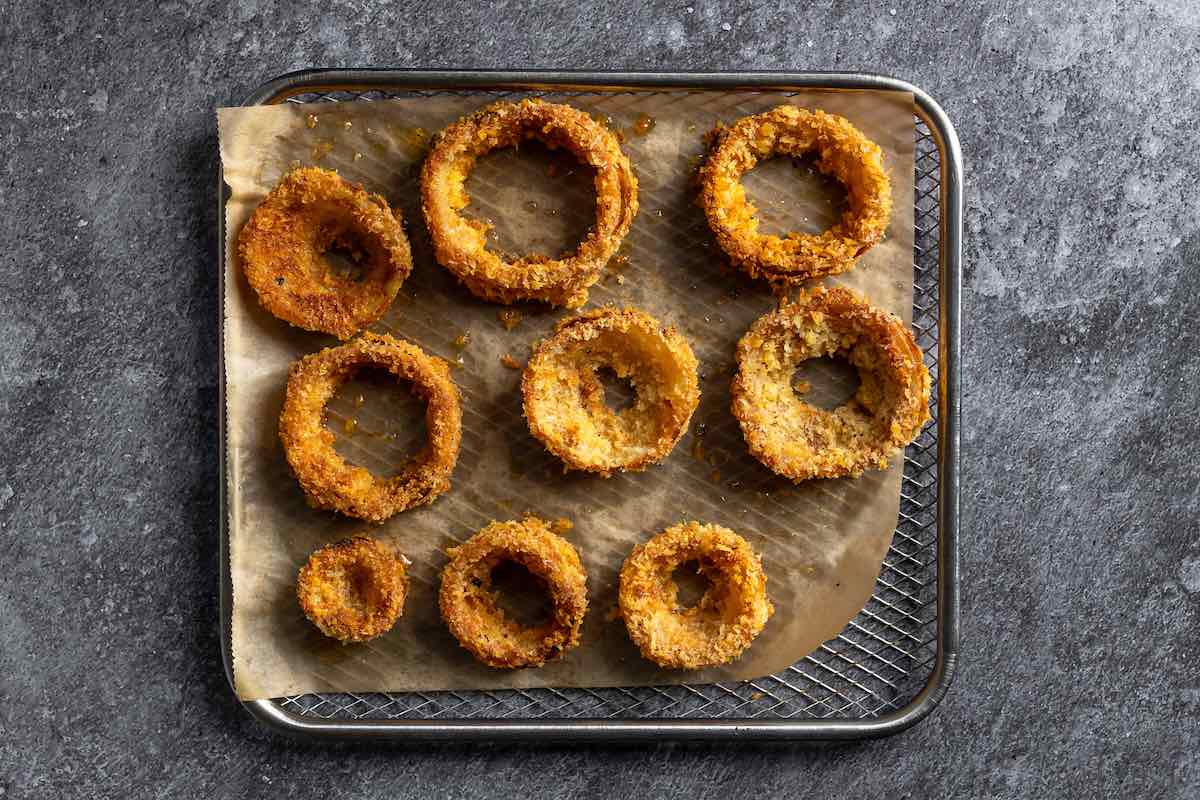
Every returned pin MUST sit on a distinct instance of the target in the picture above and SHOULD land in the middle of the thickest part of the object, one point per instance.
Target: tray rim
(273, 715)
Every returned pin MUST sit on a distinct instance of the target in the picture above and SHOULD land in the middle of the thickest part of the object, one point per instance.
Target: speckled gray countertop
(1080, 554)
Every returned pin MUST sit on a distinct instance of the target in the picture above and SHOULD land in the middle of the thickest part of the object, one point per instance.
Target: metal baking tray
(891, 665)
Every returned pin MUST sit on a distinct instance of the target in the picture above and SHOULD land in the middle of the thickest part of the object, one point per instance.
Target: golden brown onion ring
(353, 590)
(282, 250)
(469, 604)
(564, 398)
(460, 243)
(726, 619)
(799, 440)
(841, 150)
(328, 480)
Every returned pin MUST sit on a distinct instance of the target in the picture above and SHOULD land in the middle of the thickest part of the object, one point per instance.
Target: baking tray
(891, 665)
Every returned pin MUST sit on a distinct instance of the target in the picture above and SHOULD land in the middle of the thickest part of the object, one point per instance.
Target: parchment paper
(822, 542)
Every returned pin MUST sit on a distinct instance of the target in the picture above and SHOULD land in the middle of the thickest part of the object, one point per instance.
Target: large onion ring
(328, 480)
(721, 625)
(353, 590)
(799, 440)
(282, 250)
(564, 399)
(469, 605)
(460, 243)
(842, 151)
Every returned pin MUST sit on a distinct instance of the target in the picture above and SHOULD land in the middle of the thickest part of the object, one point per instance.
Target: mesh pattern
(878, 664)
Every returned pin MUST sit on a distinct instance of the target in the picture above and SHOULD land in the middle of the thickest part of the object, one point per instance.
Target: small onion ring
(327, 479)
(353, 590)
(564, 399)
(469, 605)
(799, 440)
(842, 151)
(282, 247)
(460, 243)
(721, 625)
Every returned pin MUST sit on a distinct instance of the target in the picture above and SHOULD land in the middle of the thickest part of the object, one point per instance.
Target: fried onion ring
(460, 243)
(841, 150)
(799, 440)
(564, 399)
(328, 480)
(284, 244)
(353, 590)
(469, 604)
(721, 625)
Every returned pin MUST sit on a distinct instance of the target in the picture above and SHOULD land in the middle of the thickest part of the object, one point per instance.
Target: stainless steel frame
(949, 199)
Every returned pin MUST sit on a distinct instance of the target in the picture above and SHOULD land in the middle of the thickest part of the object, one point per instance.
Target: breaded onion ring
(353, 590)
(469, 605)
(799, 440)
(721, 625)
(564, 399)
(328, 480)
(282, 249)
(460, 243)
(841, 150)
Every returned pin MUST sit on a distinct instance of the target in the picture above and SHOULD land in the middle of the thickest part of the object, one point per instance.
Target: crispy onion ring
(842, 151)
(328, 480)
(282, 249)
(721, 625)
(799, 440)
(469, 605)
(460, 243)
(353, 590)
(564, 399)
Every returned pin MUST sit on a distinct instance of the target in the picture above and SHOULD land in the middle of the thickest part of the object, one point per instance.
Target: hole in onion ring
(537, 200)
(691, 584)
(619, 393)
(359, 590)
(792, 194)
(827, 382)
(343, 255)
(522, 595)
(377, 422)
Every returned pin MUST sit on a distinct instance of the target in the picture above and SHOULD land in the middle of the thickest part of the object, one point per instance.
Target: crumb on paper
(510, 362)
(561, 525)
(311, 121)
(510, 318)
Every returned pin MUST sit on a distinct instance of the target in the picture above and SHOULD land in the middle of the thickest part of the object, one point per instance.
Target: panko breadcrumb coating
(327, 479)
(283, 245)
(842, 151)
(353, 590)
(460, 243)
(721, 625)
(564, 398)
(469, 604)
(801, 441)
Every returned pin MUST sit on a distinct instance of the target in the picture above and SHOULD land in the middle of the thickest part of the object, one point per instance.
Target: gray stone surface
(1080, 559)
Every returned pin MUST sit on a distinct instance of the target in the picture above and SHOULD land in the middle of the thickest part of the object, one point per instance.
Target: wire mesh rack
(891, 663)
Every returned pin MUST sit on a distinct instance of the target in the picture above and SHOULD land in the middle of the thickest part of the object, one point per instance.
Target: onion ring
(460, 243)
(353, 590)
(564, 399)
(721, 625)
(469, 605)
(282, 250)
(842, 151)
(799, 440)
(330, 482)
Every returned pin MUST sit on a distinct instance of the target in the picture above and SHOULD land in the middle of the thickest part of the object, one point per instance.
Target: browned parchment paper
(822, 542)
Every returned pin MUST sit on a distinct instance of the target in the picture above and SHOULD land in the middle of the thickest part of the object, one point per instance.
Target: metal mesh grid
(880, 661)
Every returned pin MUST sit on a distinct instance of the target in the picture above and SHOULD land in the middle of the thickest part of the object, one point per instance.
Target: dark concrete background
(1080, 554)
